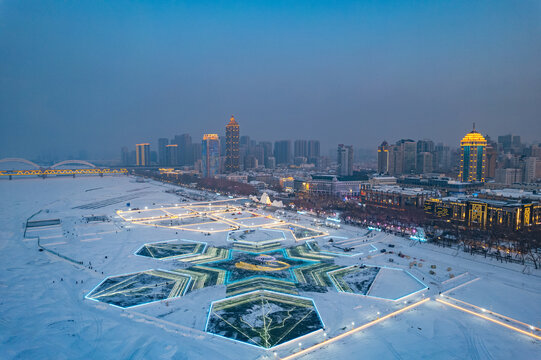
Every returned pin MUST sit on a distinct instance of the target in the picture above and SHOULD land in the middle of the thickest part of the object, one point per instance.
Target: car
(383, 250)
(391, 245)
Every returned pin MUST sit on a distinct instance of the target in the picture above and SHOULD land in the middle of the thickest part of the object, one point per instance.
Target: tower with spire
(232, 146)
(473, 157)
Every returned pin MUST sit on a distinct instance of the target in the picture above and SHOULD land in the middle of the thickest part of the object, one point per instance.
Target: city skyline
(338, 73)
(270, 179)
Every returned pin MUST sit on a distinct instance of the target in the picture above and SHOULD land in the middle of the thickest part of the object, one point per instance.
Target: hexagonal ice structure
(170, 249)
(263, 318)
(140, 288)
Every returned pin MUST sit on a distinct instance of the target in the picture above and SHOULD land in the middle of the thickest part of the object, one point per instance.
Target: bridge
(52, 170)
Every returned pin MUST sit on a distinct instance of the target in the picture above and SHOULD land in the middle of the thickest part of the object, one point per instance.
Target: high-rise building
(345, 160)
(271, 162)
(396, 160)
(425, 161)
(125, 156)
(313, 151)
(473, 157)
(383, 158)
(425, 146)
(505, 141)
(408, 152)
(142, 154)
(162, 143)
(171, 153)
(442, 161)
(267, 152)
(210, 155)
(232, 146)
(259, 152)
(529, 165)
(250, 162)
(536, 151)
(184, 149)
(245, 140)
(282, 152)
(491, 161)
(508, 176)
(196, 150)
(300, 148)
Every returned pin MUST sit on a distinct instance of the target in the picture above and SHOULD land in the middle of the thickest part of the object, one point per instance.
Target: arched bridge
(67, 162)
(52, 170)
(20, 160)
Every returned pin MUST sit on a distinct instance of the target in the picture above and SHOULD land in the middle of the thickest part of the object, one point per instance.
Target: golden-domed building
(473, 157)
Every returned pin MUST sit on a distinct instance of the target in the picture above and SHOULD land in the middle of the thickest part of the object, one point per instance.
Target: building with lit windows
(142, 154)
(383, 158)
(171, 152)
(232, 146)
(330, 185)
(210, 155)
(473, 157)
(486, 213)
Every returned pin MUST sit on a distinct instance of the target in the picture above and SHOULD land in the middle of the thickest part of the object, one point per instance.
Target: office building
(282, 152)
(162, 155)
(171, 153)
(300, 148)
(210, 155)
(232, 146)
(142, 154)
(383, 158)
(345, 160)
(473, 157)
(313, 151)
(185, 155)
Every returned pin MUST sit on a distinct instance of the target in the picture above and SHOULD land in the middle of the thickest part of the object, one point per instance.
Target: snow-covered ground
(44, 313)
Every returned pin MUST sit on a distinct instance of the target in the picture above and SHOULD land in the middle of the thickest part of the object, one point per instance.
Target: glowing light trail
(353, 331)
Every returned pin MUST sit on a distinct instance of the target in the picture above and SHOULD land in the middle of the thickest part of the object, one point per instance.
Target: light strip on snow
(490, 319)
(353, 331)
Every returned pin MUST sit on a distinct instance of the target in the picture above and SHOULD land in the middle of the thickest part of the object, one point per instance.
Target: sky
(97, 75)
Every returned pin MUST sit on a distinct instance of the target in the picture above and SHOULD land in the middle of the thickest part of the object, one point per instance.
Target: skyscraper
(345, 160)
(300, 148)
(282, 152)
(313, 151)
(383, 158)
(443, 158)
(267, 151)
(210, 155)
(125, 156)
(142, 154)
(408, 150)
(162, 143)
(184, 149)
(232, 146)
(171, 153)
(473, 157)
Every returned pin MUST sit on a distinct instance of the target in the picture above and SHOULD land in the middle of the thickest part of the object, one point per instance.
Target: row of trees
(223, 186)
(522, 246)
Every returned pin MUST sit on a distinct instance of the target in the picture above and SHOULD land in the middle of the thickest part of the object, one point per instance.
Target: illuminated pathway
(353, 331)
(519, 326)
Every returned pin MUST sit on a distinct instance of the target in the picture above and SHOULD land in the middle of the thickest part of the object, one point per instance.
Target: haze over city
(92, 76)
(270, 179)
